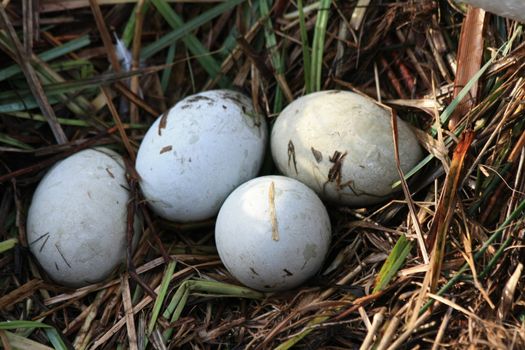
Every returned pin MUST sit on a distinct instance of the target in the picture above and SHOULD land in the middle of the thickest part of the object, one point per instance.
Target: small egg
(77, 220)
(194, 155)
(340, 144)
(272, 233)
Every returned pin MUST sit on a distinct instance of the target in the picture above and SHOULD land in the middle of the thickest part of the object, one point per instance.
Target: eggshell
(514, 9)
(272, 233)
(340, 144)
(194, 155)
(76, 224)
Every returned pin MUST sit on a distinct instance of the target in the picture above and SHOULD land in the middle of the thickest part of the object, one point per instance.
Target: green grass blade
(177, 303)
(210, 65)
(318, 45)
(7, 245)
(72, 64)
(306, 47)
(225, 289)
(175, 300)
(166, 73)
(49, 55)
(271, 45)
(183, 30)
(22, 324)
(161, 295)
(55, 339)
(298, 337)
(8, 140)
(74, 86)
(443, 118)
(393, 263)
(69, 122)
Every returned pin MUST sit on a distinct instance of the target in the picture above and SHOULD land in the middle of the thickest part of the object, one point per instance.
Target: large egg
(273, 233)
(195, 154)
(340, 144)
(514, 9)
(76, 224)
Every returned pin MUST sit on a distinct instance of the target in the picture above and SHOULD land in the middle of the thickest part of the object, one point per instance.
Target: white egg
(194, 155)
(76, 225)
(272, 233)
(514, 9)
(340, 144)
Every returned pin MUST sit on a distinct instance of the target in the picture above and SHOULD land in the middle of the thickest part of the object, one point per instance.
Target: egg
(514, 9)
(272, 233)
(195, 154)
(340, 144)
(77, 219)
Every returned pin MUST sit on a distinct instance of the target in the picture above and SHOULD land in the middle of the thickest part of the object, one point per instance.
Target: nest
(439, 265)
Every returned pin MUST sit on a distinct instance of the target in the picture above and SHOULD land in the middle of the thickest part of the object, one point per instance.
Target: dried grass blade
(67, 5)
(445, 210)
(118, 123)
(20, 342)
(137, 43)
(19, 294)
(441, 330)
(128, 311)
(470, 53)
(481, 251)
(372, 331)
(28, 22)
(406, 190)
(32, 79)
(104, 35)
(4, 341)
(388, 334)
(359, 14)
(507, 297)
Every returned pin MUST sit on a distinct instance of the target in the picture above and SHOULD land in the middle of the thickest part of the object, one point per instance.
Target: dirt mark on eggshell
(163, 122)
(291, 156)
(166, 149)
(273, 215)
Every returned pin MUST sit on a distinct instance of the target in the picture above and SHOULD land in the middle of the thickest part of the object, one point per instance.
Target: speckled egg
(340, 144)
(196, 153)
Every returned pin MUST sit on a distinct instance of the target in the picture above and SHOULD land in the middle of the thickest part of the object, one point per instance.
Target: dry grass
(58, 94)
